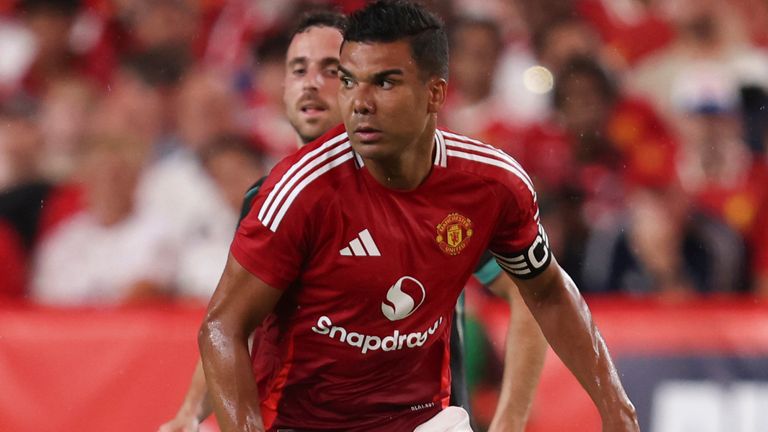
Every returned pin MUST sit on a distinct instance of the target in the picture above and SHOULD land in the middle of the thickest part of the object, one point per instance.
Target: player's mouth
(367, 134)
(312, 108)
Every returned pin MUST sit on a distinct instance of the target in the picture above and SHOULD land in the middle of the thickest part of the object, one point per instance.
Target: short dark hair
(580, 67)
(392, 20)
(68, 8)
(160, 66)
(320, 18)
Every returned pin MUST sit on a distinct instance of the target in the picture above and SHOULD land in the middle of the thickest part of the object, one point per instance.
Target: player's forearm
(524, 356)
(567, 324)
(232, 389)
(196, 402)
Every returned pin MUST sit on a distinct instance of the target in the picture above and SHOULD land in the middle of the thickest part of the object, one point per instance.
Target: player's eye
(386, 84)
(347, 82)
(299, 71)
(331, 72)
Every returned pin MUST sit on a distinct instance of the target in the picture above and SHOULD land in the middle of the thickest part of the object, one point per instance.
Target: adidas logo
(363, 245)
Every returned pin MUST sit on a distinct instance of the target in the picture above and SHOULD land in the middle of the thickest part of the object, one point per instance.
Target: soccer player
(357, 247)
(311, 86)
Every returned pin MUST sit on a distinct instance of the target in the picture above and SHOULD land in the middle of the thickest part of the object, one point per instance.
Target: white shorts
(451, 419)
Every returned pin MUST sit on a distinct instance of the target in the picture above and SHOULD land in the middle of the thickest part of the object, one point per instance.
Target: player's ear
(438, 90)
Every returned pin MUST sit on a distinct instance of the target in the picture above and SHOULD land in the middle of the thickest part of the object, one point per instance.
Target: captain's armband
(530, 262)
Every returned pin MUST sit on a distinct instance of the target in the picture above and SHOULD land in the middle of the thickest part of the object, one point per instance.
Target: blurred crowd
(130, 130)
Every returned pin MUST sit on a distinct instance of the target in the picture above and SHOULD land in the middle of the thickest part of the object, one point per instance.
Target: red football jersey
(360, 338)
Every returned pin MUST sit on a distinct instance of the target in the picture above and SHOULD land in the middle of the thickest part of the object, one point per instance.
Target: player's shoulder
(488, 163)
(304, 178)
(313, 160)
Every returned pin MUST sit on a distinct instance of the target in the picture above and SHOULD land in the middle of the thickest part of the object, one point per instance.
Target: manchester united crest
(453, 233)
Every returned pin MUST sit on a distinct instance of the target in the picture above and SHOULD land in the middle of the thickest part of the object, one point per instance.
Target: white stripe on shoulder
(489, 150)
(492, 161)
(296, 166)
(298, 170)
(317, 173)
(456, 137)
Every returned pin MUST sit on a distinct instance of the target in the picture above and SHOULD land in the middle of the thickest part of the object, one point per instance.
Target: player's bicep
(535, 290)
(241, 300)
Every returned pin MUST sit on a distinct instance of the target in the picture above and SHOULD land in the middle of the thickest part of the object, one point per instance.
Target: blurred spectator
(710, 38)
(30, 204)
(23, 189)
(718, 169)
(597, 144)
(526, 71)
(499, 87)
(205, 107)
(65, 108)
(177, 188)
(158, 73)
(234, 166)
(473, 106)
(664, 247)
(110, 253)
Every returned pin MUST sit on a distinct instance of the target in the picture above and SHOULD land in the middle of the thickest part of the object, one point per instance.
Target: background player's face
(385, 102)
(311, 82)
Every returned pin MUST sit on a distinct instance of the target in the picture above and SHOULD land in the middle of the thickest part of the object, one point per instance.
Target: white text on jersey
(395, 341)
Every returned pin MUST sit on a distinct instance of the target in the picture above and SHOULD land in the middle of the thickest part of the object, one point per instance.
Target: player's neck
(409, 168)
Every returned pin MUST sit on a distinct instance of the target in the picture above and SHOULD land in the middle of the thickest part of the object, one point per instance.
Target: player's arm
(566, 322)
(195, 408)
(240, 303)
(524, 355)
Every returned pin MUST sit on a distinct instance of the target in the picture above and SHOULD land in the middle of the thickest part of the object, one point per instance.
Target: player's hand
(181, 424)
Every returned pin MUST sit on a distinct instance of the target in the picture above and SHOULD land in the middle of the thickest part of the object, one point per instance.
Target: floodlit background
(133, 127)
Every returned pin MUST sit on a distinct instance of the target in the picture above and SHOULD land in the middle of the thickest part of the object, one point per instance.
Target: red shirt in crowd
(744, 206)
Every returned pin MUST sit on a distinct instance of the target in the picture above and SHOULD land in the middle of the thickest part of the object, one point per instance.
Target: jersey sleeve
(270, 251)
(520, 244)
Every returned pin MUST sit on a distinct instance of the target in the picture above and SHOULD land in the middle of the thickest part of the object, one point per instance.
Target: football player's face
(311, 82)
(386, 102)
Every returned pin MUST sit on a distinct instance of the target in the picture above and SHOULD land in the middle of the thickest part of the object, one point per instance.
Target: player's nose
(313, 79)
(362, 101)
